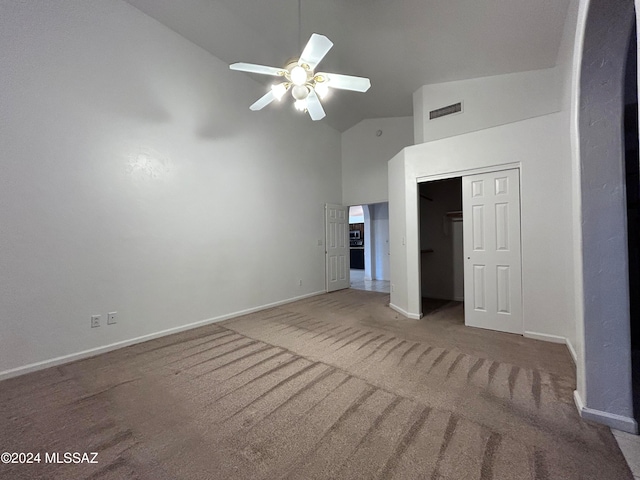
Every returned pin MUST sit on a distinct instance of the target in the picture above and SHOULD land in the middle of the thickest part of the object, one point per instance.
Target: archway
(604, 371)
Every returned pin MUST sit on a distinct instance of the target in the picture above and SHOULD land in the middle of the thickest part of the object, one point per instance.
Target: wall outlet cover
(111, 318)
(95, 321)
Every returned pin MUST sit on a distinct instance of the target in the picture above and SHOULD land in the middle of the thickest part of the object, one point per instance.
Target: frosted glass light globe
(300, 92)
(298, 75)
(322, 89)
(278, 90)
(301, 105)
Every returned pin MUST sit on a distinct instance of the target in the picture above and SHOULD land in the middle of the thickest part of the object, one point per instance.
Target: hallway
(359, 283)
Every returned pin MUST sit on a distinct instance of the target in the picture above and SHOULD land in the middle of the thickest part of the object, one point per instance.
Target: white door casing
(337, 247)
(492, 256)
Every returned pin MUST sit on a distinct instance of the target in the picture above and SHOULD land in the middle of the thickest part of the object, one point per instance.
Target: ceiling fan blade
(253, 68)
(315, 50)
(263, 101)
(314, 107)
(347, 82)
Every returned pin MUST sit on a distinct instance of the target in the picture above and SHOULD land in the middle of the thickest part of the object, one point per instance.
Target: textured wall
(607, 382)
(135, 179)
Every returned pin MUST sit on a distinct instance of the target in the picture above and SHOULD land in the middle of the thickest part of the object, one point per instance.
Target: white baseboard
(545, 337)
(414, 316)
(52, 362)
(619, 422)
(577, 399)
(554, 339)
(572, 351)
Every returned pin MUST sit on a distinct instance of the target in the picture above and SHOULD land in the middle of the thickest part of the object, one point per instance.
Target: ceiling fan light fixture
(279, 90)
(298, 75)
(301, 105)
(300, 92)
(307, 87)
(322, 89)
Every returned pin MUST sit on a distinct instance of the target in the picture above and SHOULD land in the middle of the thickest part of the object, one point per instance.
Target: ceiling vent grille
(444, 111)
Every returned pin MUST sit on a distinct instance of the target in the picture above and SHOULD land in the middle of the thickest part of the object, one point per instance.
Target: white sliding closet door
(492, 269)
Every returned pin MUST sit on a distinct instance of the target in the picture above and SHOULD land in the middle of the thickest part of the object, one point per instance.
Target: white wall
(399, 217)
(365, 156)
(128, 156)
(567, 53)
(379, 219)
(537, 145)
(487, 102)
(438, 271)
(356, 214)
(565, 64)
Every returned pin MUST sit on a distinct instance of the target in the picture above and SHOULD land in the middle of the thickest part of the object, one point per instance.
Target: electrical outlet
(393, 287)
(111, 318)
(95, 321)
(300, 282)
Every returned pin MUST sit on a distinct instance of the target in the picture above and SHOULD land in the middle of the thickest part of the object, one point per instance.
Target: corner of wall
(397, 225)
(617, 422)
(367, 147)
(576, 200)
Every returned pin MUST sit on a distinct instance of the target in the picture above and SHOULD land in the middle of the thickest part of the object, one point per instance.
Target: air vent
(449, 110)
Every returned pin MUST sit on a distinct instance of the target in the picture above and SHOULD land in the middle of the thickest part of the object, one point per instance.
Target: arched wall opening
(604, 391)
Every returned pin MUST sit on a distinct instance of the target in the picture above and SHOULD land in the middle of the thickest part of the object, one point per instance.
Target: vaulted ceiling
(399, 44)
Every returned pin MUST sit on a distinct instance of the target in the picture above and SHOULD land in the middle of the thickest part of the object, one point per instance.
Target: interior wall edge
(607, 369)
(618, 422)
(572, 351)
(545, 337)
(412, 316)
(576, 197)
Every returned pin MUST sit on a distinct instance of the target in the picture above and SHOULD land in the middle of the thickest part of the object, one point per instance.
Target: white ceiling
(399, 44)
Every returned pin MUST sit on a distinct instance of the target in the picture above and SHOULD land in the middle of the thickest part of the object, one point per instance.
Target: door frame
(464, 173)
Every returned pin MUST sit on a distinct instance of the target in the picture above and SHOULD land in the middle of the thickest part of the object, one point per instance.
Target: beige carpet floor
(336, 386)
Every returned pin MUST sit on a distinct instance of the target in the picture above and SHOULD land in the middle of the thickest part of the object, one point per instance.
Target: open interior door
(492, 268)
(337, 247)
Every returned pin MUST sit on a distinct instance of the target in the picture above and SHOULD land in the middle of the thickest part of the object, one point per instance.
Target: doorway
(369, 247)
(441, 247)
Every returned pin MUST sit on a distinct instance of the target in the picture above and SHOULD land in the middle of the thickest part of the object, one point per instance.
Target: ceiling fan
(307, 87)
